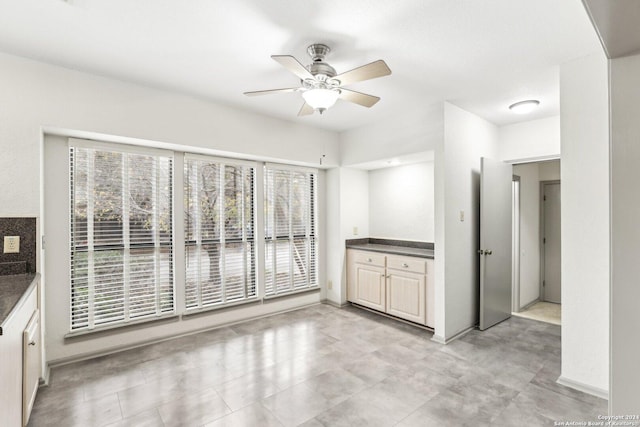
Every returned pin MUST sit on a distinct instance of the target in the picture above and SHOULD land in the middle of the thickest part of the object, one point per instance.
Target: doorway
(536, 244)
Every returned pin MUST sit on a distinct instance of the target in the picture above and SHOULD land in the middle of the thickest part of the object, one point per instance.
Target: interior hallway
(543, 311)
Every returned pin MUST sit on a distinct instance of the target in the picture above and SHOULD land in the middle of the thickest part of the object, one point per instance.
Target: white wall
(467, 138)
(625, 234)
(549, 170)
(37, 96)
(401, 202)
(534, 139)
(529, 232)
(348, 207)
(585, 222)
(420, 131)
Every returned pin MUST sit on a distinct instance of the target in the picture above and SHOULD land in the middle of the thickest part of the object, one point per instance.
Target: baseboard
(529, 305)
(439, 339)
(585, 388)
(442, 340)
(334, 304)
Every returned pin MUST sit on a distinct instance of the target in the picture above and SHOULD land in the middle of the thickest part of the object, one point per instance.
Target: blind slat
(219, 237)
(120, 199)
(290, 227)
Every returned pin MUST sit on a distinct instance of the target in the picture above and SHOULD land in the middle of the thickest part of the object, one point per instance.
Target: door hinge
(544, 198)
(544, 240)
(42, 242)
(543, 283)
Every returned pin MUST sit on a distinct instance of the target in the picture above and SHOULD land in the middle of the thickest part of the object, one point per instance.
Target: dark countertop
(13, 293)
(392, 249)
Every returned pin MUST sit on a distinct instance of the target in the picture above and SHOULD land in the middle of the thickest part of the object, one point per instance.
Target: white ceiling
(479, 55)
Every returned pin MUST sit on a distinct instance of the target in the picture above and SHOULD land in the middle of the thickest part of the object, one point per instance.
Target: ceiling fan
(321, 86)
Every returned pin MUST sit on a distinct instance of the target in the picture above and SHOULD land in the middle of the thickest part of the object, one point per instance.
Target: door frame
(542, 224)
(515, 251)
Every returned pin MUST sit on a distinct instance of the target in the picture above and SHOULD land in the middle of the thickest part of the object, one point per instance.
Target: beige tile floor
(322, 366)
(543, 311)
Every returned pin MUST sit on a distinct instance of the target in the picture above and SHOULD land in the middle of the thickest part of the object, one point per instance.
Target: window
(121, 235)
(290, 229)
(219, 232)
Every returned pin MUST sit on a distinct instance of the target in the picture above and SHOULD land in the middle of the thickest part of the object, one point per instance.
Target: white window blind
(219, 232)
(121, 236)
(290, 229)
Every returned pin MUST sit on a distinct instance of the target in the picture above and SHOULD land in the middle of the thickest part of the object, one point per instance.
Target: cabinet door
(370, 286)
(31, 349)
(406, 295)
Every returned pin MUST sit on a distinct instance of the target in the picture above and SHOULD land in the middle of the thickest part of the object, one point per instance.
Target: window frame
(311, 235)
(126, 246)
(222, 239)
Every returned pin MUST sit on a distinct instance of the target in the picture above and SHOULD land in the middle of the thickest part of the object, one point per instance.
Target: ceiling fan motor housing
(318, 51)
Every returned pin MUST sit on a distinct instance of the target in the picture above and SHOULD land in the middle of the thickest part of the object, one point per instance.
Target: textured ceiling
(479, 55)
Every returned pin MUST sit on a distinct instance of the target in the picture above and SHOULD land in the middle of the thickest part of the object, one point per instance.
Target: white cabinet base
(406, 296)
(401, 286)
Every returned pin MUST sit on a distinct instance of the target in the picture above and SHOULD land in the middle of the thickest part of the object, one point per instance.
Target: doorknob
(480, 252)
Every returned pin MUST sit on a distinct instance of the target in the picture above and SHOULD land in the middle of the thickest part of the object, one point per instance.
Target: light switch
(11, 244)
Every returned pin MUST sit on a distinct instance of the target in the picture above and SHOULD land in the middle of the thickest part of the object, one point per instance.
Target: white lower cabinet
(401, 286)
(370, 286)
(20, 362)
(406, 295)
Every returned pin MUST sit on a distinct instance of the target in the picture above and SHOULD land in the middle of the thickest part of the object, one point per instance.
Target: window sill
(213, 308)
(292, 293)
(121, 327)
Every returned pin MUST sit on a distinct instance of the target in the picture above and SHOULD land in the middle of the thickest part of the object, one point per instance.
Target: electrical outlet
(11, 244)
(355, 231)
(330, 284)
(461, 216)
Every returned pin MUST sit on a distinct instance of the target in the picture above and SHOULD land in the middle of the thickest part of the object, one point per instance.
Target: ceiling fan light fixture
(320, 99)
(524, 107)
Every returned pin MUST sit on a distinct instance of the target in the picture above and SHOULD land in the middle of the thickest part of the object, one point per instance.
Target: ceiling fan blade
(358, 98)
(306, 110)
(293, 65)
(267, 92)
(370, 71)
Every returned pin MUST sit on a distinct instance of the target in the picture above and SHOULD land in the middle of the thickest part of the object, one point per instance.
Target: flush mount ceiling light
(524, 107)
(321, 86)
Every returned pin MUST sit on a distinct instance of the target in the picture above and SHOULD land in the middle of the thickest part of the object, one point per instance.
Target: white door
(495, 242)
(551, 246)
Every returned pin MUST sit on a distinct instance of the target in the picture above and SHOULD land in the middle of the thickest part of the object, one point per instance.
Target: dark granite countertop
(13, 293)
(392, 249)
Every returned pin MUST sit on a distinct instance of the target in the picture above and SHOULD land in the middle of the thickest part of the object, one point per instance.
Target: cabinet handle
(32, 342)
(405, 265)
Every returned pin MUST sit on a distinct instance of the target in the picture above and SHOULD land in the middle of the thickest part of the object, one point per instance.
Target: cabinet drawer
(414, 265)
(369, 258)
